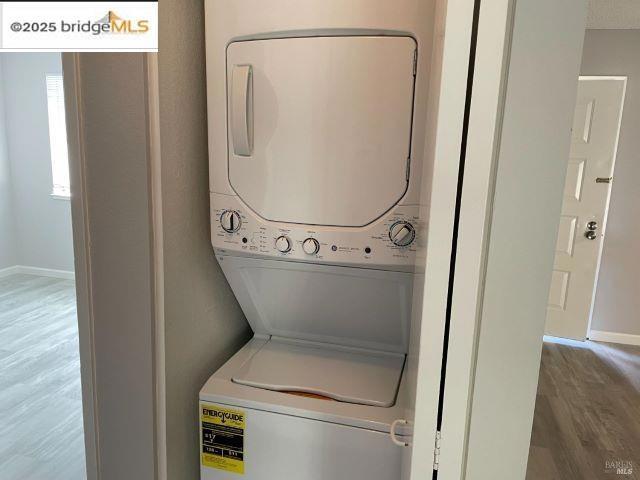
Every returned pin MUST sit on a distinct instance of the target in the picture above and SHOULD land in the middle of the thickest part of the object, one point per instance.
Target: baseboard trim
(42, 272)
(5, 272)
(614, 337)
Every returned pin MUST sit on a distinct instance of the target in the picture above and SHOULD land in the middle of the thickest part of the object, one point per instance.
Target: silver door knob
(590, 234)
(592, 225)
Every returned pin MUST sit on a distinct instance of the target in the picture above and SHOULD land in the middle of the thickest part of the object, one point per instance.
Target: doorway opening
(41, 412)
(583, 425)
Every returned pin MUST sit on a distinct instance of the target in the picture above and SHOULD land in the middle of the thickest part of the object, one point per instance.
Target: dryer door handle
(242, 110)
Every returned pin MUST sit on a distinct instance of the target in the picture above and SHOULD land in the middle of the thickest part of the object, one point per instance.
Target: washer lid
(320, 127)
(353, 307)
(340, 373)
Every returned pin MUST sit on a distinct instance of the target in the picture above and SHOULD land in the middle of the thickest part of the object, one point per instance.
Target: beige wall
(617, 303)
(204, 325)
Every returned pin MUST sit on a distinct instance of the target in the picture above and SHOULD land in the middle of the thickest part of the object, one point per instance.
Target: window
(58, 136)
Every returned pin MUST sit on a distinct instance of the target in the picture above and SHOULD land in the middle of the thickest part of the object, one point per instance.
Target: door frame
(605, 217)
(82, 258)
(445, 130)
(101, 440)
(83, 268)
(489, 403)
(155, 168)
(482, 149)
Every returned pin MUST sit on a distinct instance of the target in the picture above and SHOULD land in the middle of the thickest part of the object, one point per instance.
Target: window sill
(56, 196)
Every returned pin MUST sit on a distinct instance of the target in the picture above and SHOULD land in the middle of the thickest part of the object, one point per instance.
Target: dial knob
(311, 246)
(283, 244)
(402, 234)
(230, 221)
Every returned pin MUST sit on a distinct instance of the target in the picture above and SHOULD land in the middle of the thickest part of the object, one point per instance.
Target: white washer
(281, 435)
(314, 176)
(321, 382)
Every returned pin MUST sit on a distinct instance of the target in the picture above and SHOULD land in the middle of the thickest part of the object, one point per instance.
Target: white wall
(617, 303)
(42, 223)
(8, 254)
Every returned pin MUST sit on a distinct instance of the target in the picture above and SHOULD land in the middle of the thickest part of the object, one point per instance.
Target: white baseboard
(5, 272)
(42, 272)
(614, 337)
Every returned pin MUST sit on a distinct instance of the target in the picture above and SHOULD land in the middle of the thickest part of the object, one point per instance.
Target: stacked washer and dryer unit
(317, 114)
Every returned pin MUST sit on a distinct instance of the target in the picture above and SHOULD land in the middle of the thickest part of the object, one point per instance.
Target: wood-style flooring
(587, 417)
(41, 432)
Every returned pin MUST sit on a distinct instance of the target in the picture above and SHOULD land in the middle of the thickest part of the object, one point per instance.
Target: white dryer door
(320, 127)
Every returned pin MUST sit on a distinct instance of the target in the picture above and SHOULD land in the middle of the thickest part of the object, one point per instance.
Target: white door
(594, 142)
(320, 127)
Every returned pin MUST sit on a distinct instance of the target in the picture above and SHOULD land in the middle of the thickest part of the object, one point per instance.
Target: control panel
(389, 243)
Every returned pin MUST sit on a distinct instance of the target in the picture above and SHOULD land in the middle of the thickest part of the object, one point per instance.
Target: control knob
(402, 234)
(230, 221)
(311, 246)
(283, 244)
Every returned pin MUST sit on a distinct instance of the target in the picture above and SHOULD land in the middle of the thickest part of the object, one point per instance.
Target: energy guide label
(222, 438)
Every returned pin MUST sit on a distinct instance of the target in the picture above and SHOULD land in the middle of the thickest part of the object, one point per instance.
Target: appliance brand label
(222, 438)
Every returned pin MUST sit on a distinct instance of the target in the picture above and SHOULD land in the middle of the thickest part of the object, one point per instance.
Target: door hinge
(415, 62)
(408, 169)
(436, 451)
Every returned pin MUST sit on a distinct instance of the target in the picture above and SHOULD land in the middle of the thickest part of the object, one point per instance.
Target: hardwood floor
(587, 413)
(41, 432)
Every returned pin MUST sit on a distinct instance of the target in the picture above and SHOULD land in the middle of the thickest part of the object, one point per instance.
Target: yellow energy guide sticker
(222, 438)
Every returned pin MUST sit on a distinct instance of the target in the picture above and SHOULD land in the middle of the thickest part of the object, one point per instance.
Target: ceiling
(614, 14)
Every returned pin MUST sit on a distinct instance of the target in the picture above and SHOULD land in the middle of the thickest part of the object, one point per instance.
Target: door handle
(604, 179)
(592, 225)
(590, 235)
(242, 110)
